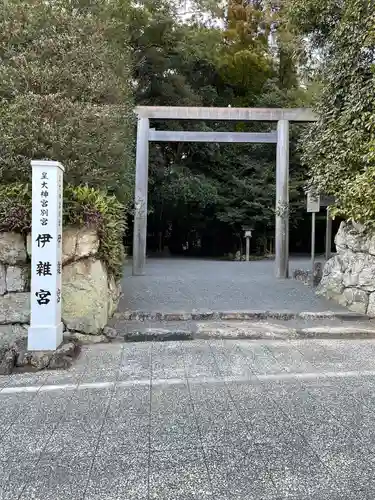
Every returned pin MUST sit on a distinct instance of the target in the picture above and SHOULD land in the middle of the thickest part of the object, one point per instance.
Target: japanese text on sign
(46, 328)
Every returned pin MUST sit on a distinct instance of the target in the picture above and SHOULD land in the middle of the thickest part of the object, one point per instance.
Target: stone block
(330, 287)
(77, 243)
(16, 279)
(356, 300)
(13, 342)
(67, 349)
(3, 286)
(114, 292)
(355, 237)
(303, 275)
(7, 362)
(371, 305)
(12, 334)
(238, 329)
(349, 277)
(87, 243)
(360, 272)
(83, 339)
(85, 296)
(110, 333)
(69, 244)
(40, 359)
(63, 356)
(23, 358)
(15, 308)
(12, 248)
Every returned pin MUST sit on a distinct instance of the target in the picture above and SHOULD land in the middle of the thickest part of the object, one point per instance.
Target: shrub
(83, 207)
(339, 148)
(65, 91)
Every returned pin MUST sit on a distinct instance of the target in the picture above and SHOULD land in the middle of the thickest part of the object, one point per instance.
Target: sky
(187, 9)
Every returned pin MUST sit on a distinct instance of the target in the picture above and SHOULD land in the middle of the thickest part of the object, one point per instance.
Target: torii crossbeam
(280, 137)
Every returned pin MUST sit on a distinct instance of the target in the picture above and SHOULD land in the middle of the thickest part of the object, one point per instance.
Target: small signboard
(247, 234)
(313, 202)
(326, 200)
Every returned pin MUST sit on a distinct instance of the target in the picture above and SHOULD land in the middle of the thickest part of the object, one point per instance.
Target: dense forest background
(73, 70)
(242, 55)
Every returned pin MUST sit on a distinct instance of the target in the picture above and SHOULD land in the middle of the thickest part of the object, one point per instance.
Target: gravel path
(187, 284)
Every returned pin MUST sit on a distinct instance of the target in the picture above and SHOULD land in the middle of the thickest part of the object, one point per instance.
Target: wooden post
(313, 224)
(282, 200)
(140, 198)
(247, 249)
(328, 235)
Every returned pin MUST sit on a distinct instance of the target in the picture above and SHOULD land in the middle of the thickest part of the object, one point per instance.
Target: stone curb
(16, 357)
(162, 335)
(237, 315)
(336, 332)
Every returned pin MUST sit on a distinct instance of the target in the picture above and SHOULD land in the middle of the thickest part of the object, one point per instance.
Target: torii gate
(279, 137)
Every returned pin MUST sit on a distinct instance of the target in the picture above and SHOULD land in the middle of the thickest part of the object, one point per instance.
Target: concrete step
(282, 329)
(195, 315)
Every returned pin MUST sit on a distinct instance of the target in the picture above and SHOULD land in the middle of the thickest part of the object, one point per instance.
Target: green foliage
(15, 208)
(182, 187)
(84, 206)
(64, 91)
(211, 190)
(315, 18)
(339, 148)
(245, 61)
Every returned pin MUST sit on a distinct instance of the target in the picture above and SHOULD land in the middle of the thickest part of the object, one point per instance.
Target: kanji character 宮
(43, 297)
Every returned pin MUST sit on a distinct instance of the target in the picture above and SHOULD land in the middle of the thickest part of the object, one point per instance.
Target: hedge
(83, 207)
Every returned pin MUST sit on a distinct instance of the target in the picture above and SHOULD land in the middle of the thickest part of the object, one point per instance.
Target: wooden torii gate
(280, 137)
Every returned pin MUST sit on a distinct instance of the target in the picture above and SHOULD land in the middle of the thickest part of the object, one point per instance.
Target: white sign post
(313, 207)
(313, 202)
(46, 328)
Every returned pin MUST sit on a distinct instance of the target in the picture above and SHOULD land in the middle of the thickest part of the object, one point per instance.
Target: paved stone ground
(186, 284)
(228, 420)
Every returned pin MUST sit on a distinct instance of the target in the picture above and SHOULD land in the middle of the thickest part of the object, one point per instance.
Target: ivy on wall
(83, 207)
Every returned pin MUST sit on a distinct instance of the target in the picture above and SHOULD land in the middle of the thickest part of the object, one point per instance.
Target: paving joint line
(297, 424)
(18, 416)
(101, 428)
(340, 423)
(150, 425)
(274, 404)
(197, 424)
(264, 461)
(63, 416)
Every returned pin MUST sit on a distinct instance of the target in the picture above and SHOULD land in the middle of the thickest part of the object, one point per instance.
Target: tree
(164, 52)
(210, 190)
(64, 91)
(339, 148)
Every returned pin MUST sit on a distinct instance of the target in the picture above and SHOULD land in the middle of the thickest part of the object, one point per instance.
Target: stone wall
(89, 295)
(349, 277)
